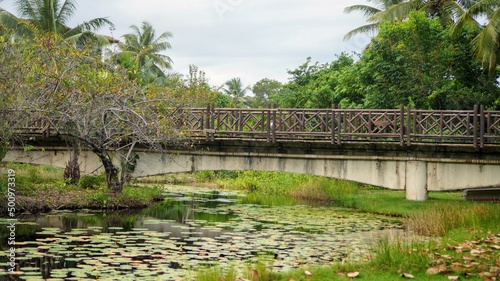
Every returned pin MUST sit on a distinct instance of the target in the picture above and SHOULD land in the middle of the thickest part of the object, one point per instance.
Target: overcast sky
(250, 39)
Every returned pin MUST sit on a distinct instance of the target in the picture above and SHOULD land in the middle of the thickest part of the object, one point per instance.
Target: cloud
(250, 39)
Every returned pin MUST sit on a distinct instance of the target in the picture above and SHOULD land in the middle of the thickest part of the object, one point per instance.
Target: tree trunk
(72, 170)
(113, 181)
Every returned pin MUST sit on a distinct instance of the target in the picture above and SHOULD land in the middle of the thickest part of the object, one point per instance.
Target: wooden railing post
(339, 126)
(481, 127)
(401, 125)
(212, 121)
(273, 124)
(268, 125)
(476, 128)
(408, 126)
(334, 106)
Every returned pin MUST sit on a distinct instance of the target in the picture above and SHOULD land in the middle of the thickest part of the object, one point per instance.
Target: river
(192, 228)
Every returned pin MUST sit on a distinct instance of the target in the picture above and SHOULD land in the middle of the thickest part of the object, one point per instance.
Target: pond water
(193, 227)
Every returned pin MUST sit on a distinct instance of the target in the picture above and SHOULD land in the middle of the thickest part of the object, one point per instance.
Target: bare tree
(91, 102)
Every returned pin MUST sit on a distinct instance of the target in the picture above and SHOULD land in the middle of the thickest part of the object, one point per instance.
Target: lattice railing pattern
(444, 125)
(477, 127)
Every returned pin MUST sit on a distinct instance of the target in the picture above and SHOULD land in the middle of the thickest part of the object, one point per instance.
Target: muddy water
(192, 228)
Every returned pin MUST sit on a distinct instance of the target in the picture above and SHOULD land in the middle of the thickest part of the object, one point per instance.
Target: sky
(249, 39)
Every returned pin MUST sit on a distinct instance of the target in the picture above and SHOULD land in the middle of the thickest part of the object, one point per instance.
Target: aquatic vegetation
(195, 230)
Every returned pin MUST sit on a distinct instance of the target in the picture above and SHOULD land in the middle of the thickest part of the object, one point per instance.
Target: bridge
(402, 149)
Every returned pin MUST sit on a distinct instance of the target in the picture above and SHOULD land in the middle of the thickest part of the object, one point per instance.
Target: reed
(442, 217)
(400, 252)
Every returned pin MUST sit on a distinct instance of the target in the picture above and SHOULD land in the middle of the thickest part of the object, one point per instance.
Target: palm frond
(66, 11)
(367, 11)
(396, 12)
(486, 44)
(362, 29)
(94, 24)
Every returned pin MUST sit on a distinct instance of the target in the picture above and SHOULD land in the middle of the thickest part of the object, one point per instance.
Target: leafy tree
(52, 16)
(141, 52)
(417, 62)
(314, 85)
(222, 100)
(88, 101)
(235, 89)
(265, 91)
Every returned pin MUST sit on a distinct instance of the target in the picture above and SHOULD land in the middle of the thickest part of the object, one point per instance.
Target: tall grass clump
(400, 253)
(216, 273)
(264, 182)
(440, 218)
(326, 189)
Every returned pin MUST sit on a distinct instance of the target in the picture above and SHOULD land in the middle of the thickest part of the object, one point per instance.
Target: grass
(42, 188)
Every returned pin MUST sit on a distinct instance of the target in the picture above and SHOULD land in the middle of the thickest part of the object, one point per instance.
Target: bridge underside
(416, 170)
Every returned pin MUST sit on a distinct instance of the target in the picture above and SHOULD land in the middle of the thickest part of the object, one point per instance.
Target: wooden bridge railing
(477, 127)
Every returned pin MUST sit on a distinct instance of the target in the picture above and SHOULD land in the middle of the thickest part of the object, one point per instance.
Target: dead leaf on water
(453, 278)
(341, 274)
(307, 273)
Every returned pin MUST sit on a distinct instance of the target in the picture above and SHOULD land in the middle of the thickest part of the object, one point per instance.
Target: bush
(205, 176)
(92, 181)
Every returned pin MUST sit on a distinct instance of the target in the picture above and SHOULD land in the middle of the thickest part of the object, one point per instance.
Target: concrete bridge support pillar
(416, 181)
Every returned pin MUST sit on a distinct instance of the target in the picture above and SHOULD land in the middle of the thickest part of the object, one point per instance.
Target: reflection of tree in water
(126, 220)
(23, 233)
(68, 223)
(184, 211)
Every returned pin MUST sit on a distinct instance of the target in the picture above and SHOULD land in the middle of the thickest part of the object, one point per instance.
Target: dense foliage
(414, 62)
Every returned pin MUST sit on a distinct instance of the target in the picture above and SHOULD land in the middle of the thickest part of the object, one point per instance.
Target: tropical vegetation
(427, 54)
(142, 52)
(52, 17)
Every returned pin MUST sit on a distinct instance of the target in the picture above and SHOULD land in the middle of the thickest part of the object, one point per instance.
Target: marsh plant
(401, 252)
(440, 218)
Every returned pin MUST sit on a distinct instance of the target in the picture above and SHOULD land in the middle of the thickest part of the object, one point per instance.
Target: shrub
(92, 181)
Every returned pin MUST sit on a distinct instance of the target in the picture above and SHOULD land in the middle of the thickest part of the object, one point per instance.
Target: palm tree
(486, 44)
(394, 10)
(369, 11)
(234, 89)
(52, 16)
(143, 48)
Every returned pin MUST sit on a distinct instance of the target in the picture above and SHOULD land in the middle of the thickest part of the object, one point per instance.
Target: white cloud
(250, 39)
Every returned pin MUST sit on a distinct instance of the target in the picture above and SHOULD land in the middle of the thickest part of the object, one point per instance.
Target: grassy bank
(42, 188)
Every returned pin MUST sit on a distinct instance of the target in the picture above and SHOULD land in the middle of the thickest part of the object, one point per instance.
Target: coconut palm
(144, 49)
(234, 89)
(446, 10)
(52, 16)
(393, 10)
(369, 12)
(486, 44)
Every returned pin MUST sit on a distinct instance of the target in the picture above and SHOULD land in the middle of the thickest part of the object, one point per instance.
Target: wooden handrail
(477, 127)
